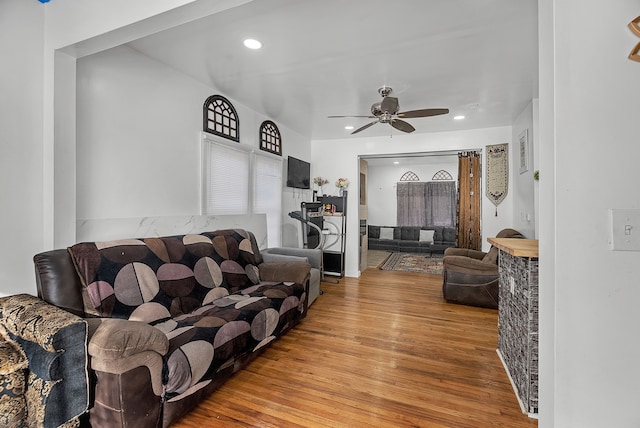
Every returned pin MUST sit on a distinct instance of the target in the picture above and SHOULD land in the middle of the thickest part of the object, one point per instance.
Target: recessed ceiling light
(252, 44)
(348, 127)
(396, 162)
(459, 117)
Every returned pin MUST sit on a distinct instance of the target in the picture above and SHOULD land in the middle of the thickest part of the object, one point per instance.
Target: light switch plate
(625, 229)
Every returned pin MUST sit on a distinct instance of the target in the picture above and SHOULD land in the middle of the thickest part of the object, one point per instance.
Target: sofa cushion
(214, 336)
(373, 232)
(274, 258)
(426, 235)
(386, 233)
(448, 234)
(437, 234)
(13, 369)
(164, 277)
(409, 233)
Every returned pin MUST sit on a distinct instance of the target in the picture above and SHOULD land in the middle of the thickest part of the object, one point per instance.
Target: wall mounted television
(298, 173)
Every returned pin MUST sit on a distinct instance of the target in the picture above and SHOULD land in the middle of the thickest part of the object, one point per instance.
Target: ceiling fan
(386, 111)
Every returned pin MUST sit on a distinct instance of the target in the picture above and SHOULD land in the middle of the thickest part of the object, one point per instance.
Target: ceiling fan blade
(424, 112)
(389, 105)
(362, 128)
(334, 117)
(402, 125)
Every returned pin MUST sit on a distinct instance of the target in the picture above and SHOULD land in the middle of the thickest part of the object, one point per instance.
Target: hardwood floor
(383, 350)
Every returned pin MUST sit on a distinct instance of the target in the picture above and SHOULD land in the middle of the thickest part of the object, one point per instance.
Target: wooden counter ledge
(517, 247)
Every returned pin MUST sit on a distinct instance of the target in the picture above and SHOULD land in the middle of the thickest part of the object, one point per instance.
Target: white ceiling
(329, 57)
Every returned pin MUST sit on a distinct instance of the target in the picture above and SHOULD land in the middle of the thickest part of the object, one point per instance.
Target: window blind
(267, 194)
(226, 171)
(238, 180)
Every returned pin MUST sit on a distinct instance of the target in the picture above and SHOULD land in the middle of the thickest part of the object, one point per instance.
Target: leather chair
(470, 277)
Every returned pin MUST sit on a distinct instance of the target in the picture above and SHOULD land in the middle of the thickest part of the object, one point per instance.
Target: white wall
(138, 138)
(21, 112)
(37, 186)
(589, 294)
(94, 24)
(339, 158)
(522, 186)
(76, 29)
(382, 185)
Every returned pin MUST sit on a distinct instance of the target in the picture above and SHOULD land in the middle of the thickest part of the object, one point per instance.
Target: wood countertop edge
(517, 247)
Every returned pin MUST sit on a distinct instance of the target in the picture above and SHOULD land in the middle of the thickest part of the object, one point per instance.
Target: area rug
(412, 262)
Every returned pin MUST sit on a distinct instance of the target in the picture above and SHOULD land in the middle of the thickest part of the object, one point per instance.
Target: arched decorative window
(270, 140)
(220, 118)
(409, 176)
(441, 175)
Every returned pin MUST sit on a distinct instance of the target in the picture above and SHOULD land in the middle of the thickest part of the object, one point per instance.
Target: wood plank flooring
(383, 350)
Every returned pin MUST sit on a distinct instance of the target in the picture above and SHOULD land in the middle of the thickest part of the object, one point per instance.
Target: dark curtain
(469, 176)
(411, 203)
(441, 203)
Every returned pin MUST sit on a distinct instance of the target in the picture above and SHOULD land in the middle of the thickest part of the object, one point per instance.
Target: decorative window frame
(225, 121)
(409, 176)
(270, 138)
(442, 175)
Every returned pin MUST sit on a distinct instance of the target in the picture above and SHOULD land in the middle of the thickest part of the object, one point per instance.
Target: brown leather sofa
(146, 369)
(470, 277)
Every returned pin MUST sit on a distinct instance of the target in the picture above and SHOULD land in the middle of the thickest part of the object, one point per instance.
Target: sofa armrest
(469, 265)
(297, 272)
(112, 338)
(313, 255)
(117, 346)
(474, 254)
(54, 342)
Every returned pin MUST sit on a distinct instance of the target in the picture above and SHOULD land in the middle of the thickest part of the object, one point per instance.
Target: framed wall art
(523, 141)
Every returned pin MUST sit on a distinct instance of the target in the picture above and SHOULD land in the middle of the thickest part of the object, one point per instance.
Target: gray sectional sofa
(410, 239)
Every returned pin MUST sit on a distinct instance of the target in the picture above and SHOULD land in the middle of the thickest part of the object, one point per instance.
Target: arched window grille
(220, 118)
(442, 175)
(409, 176)
(270, 140)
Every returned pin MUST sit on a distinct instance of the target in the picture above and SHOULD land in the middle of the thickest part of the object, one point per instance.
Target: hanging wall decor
(634, 26)
(497, 173)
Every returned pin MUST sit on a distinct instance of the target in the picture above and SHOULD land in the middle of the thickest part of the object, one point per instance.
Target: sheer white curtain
(426, 204)
(411, 203)
(441, 203)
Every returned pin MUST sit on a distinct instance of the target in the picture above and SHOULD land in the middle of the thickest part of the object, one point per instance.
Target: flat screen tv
(298, 173)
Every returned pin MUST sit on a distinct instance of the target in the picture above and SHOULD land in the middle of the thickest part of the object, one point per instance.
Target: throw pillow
(426, 235)
(386, 233)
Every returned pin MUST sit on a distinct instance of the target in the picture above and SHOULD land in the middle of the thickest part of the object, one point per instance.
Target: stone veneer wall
(518, 325)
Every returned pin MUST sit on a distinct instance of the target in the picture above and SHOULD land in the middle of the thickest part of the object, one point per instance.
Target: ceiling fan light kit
(386, 111)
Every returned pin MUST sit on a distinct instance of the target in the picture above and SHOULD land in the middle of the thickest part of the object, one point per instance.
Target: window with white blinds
(226, 179)
(267, 193)
(239, 180)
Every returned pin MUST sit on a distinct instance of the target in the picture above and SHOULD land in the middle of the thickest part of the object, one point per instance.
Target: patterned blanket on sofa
(202, 291)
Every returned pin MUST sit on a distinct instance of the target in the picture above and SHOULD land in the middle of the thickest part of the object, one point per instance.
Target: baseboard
(523, 408)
